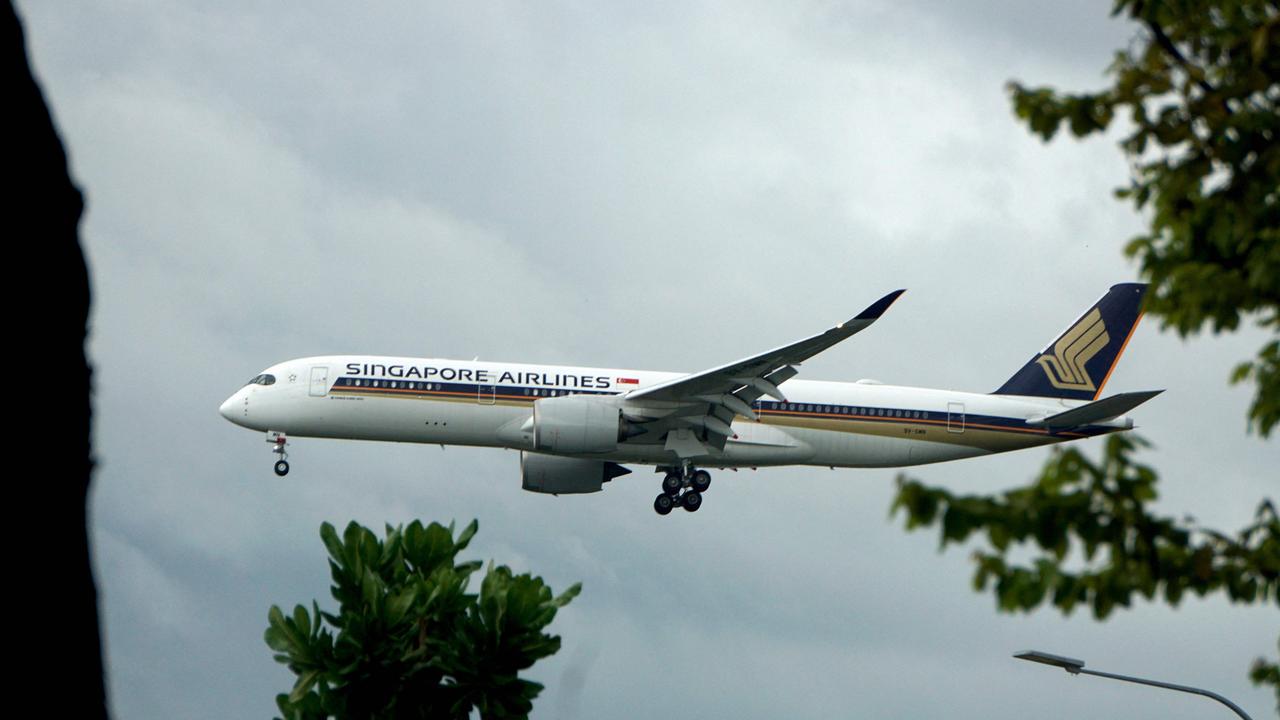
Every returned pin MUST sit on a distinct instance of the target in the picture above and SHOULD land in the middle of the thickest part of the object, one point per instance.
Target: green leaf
(303, 685)
(275, 635)
(331, 542)
(399, 605)
(301, 620)
(465, 538)
(568, 595)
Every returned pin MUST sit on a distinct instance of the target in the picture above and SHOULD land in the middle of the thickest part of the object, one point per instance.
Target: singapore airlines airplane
(574, 426)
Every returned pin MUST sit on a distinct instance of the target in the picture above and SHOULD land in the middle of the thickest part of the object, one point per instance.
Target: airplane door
(319, 381)
(485, 394)
(955, 417)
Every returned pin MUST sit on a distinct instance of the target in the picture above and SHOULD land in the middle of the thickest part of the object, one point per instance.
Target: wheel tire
(692, 500)
(701, 480)
(282, 468)
(672, 484)
(663, 504)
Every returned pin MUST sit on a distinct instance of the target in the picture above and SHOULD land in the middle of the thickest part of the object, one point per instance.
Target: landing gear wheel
(692, 500)
(278, 444)
(663, 504)
(701, 480)
(672, 484)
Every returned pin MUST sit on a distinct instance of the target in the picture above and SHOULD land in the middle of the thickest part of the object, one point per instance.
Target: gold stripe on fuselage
(994, 438)
(979, 435)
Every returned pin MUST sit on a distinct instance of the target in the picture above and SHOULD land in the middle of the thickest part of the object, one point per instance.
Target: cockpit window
(263, 379)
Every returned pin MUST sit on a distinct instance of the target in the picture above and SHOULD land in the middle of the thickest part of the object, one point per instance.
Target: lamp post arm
(1168, 686)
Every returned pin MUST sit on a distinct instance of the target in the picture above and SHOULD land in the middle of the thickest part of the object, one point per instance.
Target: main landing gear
(279, 441)
(682, 487)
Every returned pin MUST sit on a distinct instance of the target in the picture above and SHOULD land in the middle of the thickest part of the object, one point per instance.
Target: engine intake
(577, 424)
(564, 475)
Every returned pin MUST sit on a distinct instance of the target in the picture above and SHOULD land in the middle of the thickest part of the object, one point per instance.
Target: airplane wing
(712, 398)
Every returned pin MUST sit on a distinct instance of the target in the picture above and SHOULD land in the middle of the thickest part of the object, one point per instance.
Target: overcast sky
(662, 186)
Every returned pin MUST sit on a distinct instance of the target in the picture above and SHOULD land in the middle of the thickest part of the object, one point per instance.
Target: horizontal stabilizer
(1096, 412)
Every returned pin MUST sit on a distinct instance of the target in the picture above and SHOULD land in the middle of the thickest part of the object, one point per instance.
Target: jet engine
(578, 424)
(564, 475)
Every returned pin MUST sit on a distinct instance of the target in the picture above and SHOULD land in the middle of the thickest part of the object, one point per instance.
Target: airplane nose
(229, 407)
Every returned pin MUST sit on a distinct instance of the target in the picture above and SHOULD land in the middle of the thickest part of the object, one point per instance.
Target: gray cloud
(668, 187)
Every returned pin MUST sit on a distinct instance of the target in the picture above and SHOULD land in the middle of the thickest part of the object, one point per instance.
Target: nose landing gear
(279, 441)
(682, 488)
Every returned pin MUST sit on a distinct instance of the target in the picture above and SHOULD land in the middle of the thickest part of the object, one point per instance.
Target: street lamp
(1076, 667)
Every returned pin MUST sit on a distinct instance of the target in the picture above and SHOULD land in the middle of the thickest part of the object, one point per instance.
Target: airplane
(575, 427)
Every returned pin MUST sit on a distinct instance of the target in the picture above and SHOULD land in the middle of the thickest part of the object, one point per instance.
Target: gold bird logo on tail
(1065, 366)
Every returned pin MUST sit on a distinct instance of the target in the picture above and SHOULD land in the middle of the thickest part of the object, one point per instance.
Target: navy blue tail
(1077, 364)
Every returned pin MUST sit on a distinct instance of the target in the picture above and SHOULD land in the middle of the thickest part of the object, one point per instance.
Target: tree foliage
(1197, 92)
(408, 640)
(1200, 88)
(1094, 516)
(1201, 91)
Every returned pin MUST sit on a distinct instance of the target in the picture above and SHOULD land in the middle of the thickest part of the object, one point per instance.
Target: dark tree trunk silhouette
(53, 600)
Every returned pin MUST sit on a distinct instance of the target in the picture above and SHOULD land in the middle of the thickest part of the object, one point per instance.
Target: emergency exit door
(955, 417)
(319, 381)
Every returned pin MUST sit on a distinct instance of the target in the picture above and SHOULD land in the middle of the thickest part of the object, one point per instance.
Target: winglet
(877, 308)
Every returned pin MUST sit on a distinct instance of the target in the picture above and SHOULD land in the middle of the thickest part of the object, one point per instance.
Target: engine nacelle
(564, 475)
(575, 424)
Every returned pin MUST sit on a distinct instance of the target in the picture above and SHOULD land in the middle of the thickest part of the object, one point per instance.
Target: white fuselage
(488, 404)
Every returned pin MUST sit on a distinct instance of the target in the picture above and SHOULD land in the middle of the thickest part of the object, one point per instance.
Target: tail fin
(1077, 364)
